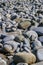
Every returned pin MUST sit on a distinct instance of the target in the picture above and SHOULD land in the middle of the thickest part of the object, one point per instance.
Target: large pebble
(40, 54)
(24, 57)
(25, 24)
(37, 44)
(32, 35)
(8, 48)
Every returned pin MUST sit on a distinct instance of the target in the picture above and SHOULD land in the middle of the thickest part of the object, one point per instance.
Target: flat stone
(28, 58)
(25, 24)
(39, 30)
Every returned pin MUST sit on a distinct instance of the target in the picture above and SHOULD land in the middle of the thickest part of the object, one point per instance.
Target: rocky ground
(21, 32)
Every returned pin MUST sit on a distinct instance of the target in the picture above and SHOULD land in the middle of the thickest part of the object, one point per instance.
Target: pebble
(21, 31)
(40, 54)
(8, 48)
(25, 24)
(37, 44)
(39, 30)
(8, 38)
(28, 58)
(32, 35)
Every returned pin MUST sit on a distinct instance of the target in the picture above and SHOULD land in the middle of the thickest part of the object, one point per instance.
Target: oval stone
(24, 57)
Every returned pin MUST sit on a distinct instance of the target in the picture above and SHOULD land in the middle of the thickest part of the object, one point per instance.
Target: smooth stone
(14, 44)
(28, 58)
(41, 39)
(8, 48)
(39, 63)
(8, 38)
(39, 30)
(32, 35)
(25, 24)
(40, 54)
(22, 64)
(36, 44)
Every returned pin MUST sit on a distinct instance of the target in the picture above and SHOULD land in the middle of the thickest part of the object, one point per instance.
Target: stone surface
(39, 63)
(39, 30)
(24, 57)
(22, 64)
(40, 54)
(25, 24)
(32, 35)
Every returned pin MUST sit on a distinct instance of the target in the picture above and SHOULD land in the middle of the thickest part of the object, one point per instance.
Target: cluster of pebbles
(21, 32)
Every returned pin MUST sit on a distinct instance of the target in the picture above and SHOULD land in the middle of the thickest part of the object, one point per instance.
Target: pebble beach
(21, 32)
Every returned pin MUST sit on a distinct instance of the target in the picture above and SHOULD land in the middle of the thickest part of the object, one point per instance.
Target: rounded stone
(24, 57)
(13, 44)
(8, 48)
(32, 35)
(24, 24)
(37, 44)
(40, 54)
